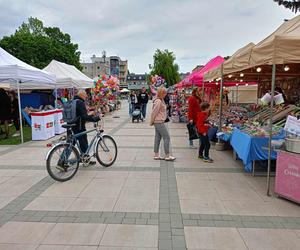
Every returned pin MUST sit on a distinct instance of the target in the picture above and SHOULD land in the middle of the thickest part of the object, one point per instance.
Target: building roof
(137, 77)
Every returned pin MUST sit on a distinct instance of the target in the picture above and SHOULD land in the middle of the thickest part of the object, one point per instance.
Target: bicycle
(68, 153)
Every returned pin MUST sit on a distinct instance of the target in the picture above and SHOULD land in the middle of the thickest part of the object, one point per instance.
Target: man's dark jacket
(82, 115)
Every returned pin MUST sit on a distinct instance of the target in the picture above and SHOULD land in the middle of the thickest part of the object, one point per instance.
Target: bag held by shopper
(193, 133)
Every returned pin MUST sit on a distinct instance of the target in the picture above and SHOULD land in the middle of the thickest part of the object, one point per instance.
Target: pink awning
(196, 77)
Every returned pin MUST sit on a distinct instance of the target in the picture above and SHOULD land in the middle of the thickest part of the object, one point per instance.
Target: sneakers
(208, 160)
(16, 134)
(200, 157)
(193, 147)
(170, 158)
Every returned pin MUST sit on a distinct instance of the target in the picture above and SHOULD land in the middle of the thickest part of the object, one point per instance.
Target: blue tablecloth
(250, 149)
(225, 137)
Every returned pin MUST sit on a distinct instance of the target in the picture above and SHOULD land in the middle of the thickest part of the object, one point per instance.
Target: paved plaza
(139, 203)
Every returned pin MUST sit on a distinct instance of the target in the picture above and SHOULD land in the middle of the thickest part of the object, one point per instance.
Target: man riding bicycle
(81, 118)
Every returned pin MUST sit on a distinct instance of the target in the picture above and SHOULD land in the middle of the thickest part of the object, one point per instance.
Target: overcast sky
(195, 30)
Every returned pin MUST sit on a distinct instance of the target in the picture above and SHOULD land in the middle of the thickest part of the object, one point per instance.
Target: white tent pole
(20, 112)
(270, 128)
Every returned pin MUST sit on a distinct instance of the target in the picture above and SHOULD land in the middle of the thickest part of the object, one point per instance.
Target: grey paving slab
(136, 158)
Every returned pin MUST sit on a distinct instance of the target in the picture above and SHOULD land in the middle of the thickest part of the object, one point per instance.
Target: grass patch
(15, 140)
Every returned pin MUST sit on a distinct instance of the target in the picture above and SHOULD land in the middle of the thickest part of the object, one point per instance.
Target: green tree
(294, 5)
(164, 65)
(37, 45)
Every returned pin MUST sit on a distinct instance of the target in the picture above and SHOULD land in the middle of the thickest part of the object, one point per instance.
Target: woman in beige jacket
(158, 117)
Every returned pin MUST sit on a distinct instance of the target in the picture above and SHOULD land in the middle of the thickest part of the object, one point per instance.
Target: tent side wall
(246, 94)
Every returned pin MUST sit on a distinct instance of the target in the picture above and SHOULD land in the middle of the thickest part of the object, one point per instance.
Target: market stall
(67, 77)
(18, 75)
(269, 61)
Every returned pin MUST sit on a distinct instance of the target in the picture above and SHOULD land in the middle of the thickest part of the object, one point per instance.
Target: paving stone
(66, 219)
(36, 217)
(177, 223)
(154, 216)
(226, 217)
(163, 227)
(107, 215)
(120, 215)
(83, 220)
(98, 220)
(248, 218)
(195, 217)
(204, 223)
(165, 244)
(291, 225)
(52, 213)
(176, 217)
(206, 217)
(113, 220)
(50, 219)
(164, 210)
(252, 224)
(190, 222)
(22, 218)
(141, 221)
(164, 236)
(186, 216)
(261, 218)
(221, 223)
(133, 215)
(177, 232)
(145, 215)
(175, 210)
(164, 217)
(178, 241)
(128, 221)
(152, 221)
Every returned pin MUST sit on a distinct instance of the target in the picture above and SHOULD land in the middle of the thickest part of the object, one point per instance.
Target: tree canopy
(37, 45)
(164, 65)
(293, 5)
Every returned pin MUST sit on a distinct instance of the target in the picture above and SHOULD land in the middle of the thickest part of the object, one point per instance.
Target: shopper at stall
(143, 100)
(132, 102)
(83, 117)
(203, 127)
(5, 110)
(193, 109)
(15, 112)
(158, 117)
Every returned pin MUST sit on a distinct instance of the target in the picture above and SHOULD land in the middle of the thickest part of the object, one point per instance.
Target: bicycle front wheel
(63, 162)
(106, 151)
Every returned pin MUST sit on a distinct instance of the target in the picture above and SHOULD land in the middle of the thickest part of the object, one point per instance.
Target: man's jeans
(144, 110)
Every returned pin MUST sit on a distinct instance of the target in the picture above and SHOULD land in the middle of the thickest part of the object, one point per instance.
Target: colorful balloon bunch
(105, 89)
(156, 82)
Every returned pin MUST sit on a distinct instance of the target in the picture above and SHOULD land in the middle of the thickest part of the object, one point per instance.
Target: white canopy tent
(68, 76)
(19, 75)
(125, 90)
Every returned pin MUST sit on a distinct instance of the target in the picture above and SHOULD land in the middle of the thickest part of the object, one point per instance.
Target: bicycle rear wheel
(106, 151)
(63, 162)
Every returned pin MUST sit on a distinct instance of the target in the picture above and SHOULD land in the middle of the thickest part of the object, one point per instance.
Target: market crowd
(9, 113)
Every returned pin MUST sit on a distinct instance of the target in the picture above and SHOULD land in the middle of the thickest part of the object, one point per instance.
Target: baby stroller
(137, 114)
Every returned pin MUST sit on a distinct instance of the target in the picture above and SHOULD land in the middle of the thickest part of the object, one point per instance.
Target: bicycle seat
(68, 126)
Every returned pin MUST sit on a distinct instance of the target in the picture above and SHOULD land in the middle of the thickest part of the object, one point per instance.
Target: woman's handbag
(193, 133)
